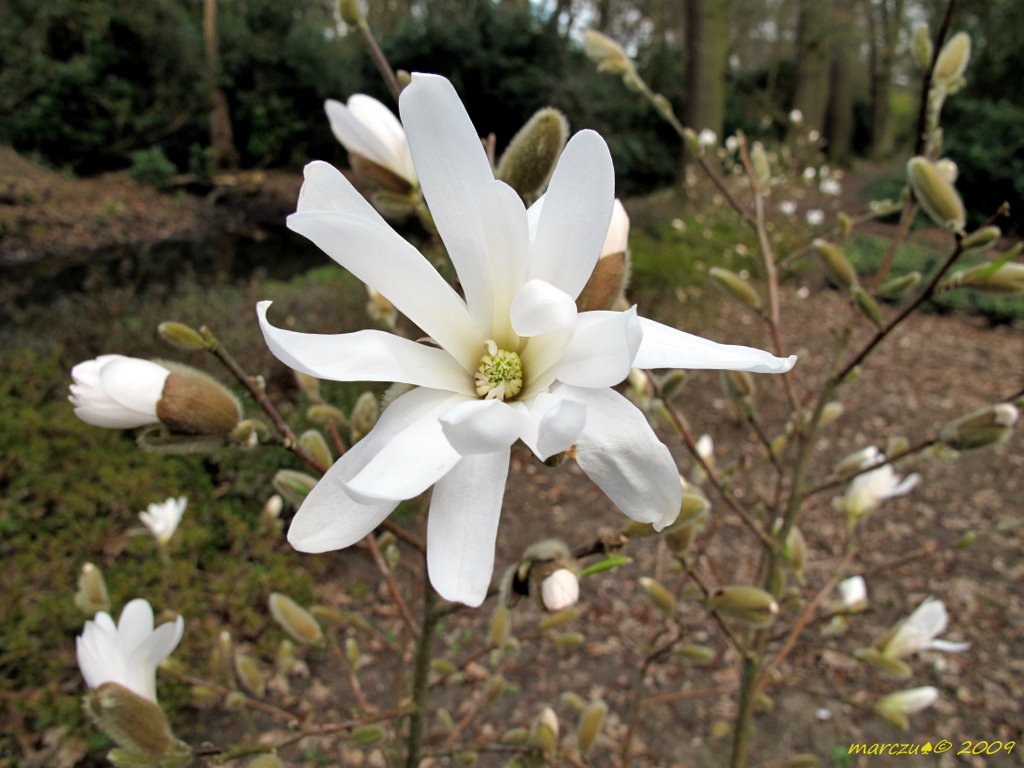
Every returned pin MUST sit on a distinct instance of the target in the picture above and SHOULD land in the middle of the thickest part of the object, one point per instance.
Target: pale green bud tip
(294, 619)
(181, 336)
(657, 594)
(589, 728)
(759, 159)
(897, 706)
(981, 238)
(898, 285)
(740, 289)
(350, 12)
(137, 725)
(936, 194)
(981, 428)
(293, 485)
(545, 731)
(953, 58)
(868, 306)
(1007, 278)
(249, 674)
(750, 605)
(316, 446)
(501, 626)
(530, 158)
(839, 269)
(693, 145)
(921, 46)
(92, 593)
(364, 415)
(266, 761)
(367, 735)
(606, 53)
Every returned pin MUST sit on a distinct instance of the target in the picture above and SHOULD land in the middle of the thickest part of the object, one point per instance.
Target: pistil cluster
(500, 374)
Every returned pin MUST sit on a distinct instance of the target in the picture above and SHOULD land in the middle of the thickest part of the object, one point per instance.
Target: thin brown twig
(381, 61)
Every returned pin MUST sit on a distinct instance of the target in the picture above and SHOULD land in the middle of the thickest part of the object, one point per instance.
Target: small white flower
(814, 135)
(707, 138)
(830, 186)
(617, 238)
(732, 143)
(853, 593)
(162, 519)
(815, 217)
(867, 491)
(117, 392)
(367, 128)
(128, 652)
(796, 116)
(809, 173)
(896, 706)
(513, 359)
(706, 448)
(918, 632)
(787, 207)
(823, 714)
(560, 590)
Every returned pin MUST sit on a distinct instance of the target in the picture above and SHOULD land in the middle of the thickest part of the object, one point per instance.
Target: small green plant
(152, 168)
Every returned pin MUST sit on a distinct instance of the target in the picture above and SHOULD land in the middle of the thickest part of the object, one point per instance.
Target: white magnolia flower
(732, 143)
(707, 138)
(918, 632)
(896, 706)
(867, 491)
(853, 593)
(815, 217)
(787, 207)
(117, 392)
(618, 231)
(367, 128)
(560, 590)
(830, 186)
(512, 360)
(129, 652)
(162, 519)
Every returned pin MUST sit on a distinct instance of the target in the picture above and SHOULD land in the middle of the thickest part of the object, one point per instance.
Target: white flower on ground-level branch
(896, 706)
(127, 653)
(918, 632)
(162, 519)
(867, 491)
(511, 360)
(370, 131)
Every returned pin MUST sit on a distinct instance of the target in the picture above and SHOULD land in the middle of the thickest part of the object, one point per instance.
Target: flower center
(500, 373)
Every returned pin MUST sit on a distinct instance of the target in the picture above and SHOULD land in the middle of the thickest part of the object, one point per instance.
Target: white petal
(482, 426)
(539, 307)
(556, 423)
(508, 251)
(325, 188)
(617, 238)
(134, 625)
(906, 485)
(330, 518)
(946, 646)
(462, 527)
(533, 217)
(389, 265)
(365, 356)
(601, 351)
(929, 620)
(574, 218)
(389, 143)
(665, 347)
(147, 656)
(359, 137)
(453, 172)
(136, 384)
(113, 417)
(619, 451)
(410, 462)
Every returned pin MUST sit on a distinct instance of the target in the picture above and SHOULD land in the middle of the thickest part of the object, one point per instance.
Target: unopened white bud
(560, 590)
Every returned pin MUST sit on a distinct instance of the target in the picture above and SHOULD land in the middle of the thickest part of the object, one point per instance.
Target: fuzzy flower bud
(937, 196)
(92, 593)
(293, 485)
(611, 273)
(759, 159)
(898, 285)
(1006, 278)
(364, 415)
(529, 160)
(750, 605)
(544, 733)
(589, 727)
(657, 594)
(316, 446)
(896, 706)
(606, 53)
(740, 289)
(182, 336)
(294, 619)
(981, 238)
(351, 13)
(921, 46)
(953, 59)
(838, 268)
(137, 725)
(981, 428)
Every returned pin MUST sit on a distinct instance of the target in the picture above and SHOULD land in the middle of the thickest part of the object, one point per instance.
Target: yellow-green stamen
(500, 374)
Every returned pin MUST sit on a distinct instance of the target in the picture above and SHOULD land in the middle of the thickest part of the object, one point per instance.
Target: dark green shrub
(152, 168)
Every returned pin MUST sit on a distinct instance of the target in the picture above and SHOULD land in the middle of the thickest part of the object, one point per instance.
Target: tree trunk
(221, 137)
(810, 94)
(840, 133)
(707, 41)
(884, 22)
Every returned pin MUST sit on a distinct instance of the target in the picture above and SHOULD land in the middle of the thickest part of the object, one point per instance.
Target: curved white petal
(482, 426)
(929, 619)
(508, 250)
(416, 457)
(136, 384)
(394, 268)
(617, 239)
(601, 351)
(462, 527)
(946, 646)
(574, 218)
(555, 424)
(325, 188)
(364, 356)
(134, 625)
(619, 451)
(387, 130)
(330, 518)
(664, 347)
(146, 657)
(453, 171)
(112, 417)
(539, 307)
(360, 137)
(906, 485)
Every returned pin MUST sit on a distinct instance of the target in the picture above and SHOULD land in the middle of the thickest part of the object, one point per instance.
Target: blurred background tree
(86, 83)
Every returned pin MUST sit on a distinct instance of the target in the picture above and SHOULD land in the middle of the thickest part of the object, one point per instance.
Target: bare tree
(707, 40)
(221, 136)
(810, 94)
